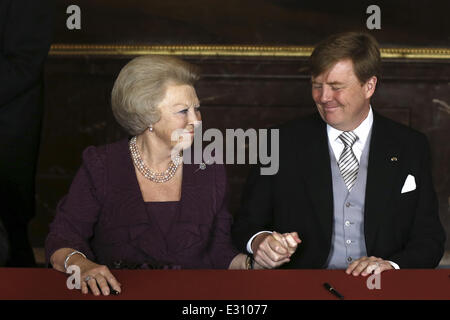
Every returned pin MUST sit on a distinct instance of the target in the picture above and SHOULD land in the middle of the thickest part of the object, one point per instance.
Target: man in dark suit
(25, 37)
(355, 187)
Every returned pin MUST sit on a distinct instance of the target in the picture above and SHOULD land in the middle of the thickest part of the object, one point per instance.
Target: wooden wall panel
(239, 92)
(267, 22)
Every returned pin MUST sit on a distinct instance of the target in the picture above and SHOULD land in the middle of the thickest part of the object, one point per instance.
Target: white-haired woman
(132, 204)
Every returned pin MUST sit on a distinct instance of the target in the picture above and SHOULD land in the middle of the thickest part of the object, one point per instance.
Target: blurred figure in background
(25, 37)
(4, 245)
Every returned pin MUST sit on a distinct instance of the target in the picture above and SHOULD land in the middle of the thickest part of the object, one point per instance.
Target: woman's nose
(194, 116)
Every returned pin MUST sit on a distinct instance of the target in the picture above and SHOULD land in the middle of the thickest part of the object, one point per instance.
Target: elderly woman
(134, 205)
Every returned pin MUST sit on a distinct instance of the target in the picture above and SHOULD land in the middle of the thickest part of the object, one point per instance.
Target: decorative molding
(415, 53)
(228, 50)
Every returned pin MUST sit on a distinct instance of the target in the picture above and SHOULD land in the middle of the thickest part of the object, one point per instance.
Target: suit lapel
(316, 159)
(384, 162)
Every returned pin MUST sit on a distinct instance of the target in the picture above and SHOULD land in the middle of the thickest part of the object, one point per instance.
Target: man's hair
(361, 48)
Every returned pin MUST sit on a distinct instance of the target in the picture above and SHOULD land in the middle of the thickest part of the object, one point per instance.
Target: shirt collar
(362, 131)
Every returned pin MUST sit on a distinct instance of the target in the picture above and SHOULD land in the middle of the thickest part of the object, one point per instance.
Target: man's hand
(273, 250)
(366, 265)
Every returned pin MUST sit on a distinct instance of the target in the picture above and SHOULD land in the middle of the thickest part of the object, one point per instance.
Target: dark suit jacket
(105, 217)
(25, 37)
(404, 228)
(4, 245)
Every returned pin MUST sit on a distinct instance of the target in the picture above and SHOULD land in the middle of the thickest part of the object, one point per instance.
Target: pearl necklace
(158, 177)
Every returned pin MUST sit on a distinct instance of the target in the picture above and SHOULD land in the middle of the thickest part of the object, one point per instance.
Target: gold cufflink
(393, 159)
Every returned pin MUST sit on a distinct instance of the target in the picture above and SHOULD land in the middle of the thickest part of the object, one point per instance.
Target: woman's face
(179, 115)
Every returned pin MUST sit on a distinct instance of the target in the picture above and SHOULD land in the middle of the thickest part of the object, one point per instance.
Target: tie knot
(348, 138)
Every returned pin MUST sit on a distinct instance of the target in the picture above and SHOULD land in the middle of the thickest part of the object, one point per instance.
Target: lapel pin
(394, 159)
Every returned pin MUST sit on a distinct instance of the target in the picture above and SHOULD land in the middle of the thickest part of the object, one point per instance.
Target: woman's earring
(150, 128)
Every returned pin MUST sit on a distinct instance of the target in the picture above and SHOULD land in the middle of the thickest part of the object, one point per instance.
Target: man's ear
(370, 86)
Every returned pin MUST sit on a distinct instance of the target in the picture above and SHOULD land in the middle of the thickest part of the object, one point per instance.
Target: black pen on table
(332, 290)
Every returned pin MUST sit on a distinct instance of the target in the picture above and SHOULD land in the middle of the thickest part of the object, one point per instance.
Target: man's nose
(326, 94)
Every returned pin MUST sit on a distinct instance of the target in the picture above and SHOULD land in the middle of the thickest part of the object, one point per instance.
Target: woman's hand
(93, 276)
(96, 278)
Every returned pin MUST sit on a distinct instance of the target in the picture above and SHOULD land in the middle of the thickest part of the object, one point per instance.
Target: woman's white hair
(141, 86)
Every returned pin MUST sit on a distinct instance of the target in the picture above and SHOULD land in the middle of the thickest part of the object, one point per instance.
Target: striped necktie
(348, 164)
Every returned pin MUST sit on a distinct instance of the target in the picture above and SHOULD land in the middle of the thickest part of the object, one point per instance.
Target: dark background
(236, 91)
(266, 22)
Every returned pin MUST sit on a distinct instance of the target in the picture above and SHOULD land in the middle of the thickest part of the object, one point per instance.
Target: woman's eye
(197, 108)
(183, 111)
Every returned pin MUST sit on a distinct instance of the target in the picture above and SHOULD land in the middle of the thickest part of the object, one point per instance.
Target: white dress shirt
(362, 132)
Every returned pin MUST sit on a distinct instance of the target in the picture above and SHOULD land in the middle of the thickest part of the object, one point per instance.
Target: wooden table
(255, 285)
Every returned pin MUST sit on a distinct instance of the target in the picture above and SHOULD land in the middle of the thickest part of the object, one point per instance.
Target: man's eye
(335, 88)
(317, 87)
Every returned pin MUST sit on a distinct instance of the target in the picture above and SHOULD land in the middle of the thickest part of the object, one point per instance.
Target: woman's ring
(87, 278)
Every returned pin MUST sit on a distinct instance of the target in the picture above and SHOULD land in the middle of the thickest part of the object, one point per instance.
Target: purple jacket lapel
(127, 207)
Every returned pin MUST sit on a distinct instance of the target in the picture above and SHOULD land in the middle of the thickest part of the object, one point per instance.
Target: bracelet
(249, 262)
(68, 257)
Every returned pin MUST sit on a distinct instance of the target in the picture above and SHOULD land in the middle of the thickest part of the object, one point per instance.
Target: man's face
(342, 101)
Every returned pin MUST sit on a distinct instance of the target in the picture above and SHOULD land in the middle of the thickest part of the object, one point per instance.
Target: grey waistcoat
(347, 241)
